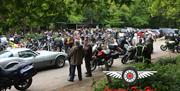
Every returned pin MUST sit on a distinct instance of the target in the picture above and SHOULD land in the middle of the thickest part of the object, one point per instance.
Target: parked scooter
(19, 76)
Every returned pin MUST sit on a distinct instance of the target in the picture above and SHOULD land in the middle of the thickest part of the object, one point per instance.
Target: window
(26, 54)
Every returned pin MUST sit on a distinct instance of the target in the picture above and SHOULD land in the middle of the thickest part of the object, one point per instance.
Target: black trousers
(60, 48)
(72, 71)
(88, 66)
(147, 55)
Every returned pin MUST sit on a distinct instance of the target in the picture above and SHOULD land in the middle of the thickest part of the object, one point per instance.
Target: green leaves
(112, 13)
(75, 18)
(45, 6)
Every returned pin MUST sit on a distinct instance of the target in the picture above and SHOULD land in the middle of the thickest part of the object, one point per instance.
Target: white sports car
(40, 59)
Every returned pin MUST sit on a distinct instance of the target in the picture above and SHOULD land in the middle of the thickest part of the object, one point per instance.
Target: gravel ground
(86, 85)
(52, 79)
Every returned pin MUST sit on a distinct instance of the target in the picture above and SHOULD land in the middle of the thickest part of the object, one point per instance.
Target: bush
(100, 85)
(167, 77)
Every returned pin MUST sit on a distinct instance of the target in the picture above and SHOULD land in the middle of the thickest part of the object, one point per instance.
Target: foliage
(167, 78)
(28, 14)
(100, 85)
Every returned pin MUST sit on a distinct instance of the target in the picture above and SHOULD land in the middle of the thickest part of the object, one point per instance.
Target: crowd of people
(64, 39)
(78, 44)
(83, 47)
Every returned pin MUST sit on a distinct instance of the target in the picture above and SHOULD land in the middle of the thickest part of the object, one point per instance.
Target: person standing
(69, 41)
(76, 57)
(88, 57)
(122, 44)
(58, 42)
(66, 43)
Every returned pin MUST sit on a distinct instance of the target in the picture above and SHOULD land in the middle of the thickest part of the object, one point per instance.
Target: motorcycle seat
(112, 47)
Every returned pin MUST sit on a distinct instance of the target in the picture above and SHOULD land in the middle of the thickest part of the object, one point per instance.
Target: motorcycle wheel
(110, 62)
(163, 47)
(93, 65)
(23, 84)
(124, 59)
(178, 49)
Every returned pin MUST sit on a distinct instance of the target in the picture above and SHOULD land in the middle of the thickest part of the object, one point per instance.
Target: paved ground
(56, 79)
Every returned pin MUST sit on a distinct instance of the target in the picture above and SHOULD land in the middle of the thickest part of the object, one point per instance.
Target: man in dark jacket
(88, 57)
(123, 42)
(76, 58)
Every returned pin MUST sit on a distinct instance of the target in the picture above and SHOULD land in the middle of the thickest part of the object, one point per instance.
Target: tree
(139, 14)
(33, 14)
(166, 12)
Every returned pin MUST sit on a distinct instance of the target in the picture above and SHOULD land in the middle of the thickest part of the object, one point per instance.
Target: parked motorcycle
(102, 56)
(33, 45)
(116, 49)
(133, 53)
(19, 76)
(170, 45)
(2, 47)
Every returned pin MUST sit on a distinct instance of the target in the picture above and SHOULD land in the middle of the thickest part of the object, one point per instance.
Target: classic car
(40, 59)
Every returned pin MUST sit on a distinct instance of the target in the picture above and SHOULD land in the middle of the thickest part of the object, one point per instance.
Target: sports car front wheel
(60, 62)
